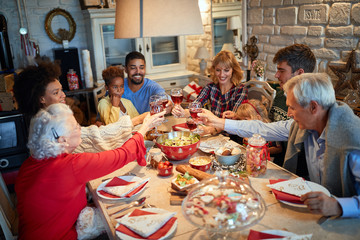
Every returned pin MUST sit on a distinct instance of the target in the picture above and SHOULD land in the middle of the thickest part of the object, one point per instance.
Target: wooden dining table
(278, 216)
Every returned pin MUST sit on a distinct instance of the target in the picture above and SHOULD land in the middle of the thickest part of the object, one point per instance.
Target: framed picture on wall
(86, 4)
(111, 3)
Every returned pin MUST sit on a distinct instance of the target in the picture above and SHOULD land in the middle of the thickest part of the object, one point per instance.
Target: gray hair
(309, 87)
(45, 126)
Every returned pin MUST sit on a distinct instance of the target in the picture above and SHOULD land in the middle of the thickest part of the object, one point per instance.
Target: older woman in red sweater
(50, 186)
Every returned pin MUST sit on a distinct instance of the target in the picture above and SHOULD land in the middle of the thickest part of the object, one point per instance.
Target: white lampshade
(233, 23)
(157, 18)
(229, 47)
(202, 53)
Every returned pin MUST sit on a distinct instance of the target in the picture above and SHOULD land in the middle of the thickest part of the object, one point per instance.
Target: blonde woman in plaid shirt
(225, 94)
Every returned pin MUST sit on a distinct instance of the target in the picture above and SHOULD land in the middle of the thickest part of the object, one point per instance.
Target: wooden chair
(8, 215)
(98, 92)
(257, 89)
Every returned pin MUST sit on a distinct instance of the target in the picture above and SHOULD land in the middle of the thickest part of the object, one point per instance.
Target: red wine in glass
(155, 108)
(194, 113)
(177, 99)
(191, 125)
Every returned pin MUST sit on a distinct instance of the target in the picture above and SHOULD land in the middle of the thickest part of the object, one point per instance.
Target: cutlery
(136, 203)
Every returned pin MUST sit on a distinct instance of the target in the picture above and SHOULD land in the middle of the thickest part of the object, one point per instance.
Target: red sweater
(51, 192)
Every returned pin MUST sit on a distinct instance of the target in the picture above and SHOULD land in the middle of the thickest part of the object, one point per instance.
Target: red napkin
(121, 182)
(255, 235)
(181, 125)
(159, 234)
(284, 196)
(117, 182)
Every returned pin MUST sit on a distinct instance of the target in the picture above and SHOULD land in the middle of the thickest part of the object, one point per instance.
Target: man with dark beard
(137, 88)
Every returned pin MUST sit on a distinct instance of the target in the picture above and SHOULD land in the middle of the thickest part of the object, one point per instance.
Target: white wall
(36, 11)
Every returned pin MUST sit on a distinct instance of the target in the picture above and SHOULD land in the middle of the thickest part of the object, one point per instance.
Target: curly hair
(227, 59)
(297, 56)
(42, 142)
(30, 85)
(110, 73)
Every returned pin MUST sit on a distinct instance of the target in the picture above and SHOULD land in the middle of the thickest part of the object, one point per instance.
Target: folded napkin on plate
(255, 235)
(148, 225)
(181, 127)
(118, 187)
(279, 195)
(297, 186)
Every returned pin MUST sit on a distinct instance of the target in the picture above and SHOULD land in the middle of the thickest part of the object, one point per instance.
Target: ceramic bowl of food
(178, 145)
(227, 156)
(202, 163)
(165, 168)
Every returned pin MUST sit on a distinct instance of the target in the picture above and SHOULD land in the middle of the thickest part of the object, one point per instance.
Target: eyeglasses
(56, 136)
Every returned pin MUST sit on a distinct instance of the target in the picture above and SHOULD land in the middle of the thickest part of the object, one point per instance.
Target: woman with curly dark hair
(38, 87)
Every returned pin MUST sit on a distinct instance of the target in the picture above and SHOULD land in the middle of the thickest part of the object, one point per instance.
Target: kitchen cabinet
(220, 13)
(165, 56)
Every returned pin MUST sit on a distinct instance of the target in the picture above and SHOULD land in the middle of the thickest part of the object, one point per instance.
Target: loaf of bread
(199, 175)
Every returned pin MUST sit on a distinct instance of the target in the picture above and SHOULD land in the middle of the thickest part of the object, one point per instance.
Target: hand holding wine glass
(195, 109)
(176, 96)
(156, 106)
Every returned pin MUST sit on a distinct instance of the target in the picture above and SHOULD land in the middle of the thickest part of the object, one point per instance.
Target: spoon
(136, 203)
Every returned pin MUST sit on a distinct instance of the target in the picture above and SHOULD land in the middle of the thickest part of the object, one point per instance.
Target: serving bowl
(202, 163)
(230, 159)
(178, 152)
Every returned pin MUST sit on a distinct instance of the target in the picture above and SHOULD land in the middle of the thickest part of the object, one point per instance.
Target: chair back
(98, 92)
(8, 215)
(257, 89)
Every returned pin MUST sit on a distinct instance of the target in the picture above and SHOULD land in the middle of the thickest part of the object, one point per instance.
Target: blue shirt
(141, 98)
(314, 153)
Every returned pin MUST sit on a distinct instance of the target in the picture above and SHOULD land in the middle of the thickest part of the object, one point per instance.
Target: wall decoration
(61, 33)
(348, 75)
(111, 3)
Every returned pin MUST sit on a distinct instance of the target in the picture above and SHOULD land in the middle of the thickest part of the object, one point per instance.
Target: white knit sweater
(103, 138)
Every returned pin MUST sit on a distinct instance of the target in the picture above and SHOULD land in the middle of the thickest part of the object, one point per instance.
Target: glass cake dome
(223, 204)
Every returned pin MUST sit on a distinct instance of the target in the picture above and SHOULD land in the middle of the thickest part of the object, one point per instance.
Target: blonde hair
(252, 109)
(227, 60)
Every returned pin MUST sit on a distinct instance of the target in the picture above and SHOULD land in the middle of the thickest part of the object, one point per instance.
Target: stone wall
(195, 41)
(330, 27)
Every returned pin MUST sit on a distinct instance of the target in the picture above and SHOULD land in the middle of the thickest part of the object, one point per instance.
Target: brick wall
(330, 27)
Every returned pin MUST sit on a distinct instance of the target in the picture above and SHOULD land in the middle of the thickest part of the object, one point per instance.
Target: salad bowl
(178, 145)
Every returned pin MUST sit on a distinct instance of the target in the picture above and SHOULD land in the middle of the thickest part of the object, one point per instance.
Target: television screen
(8, 138)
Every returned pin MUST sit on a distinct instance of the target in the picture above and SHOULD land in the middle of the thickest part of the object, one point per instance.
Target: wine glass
(155, 107)
(164, 99)
(176, 96)
(195, 109)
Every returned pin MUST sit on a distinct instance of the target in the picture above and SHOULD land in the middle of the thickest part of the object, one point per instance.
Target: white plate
(315, 188)
(279, 233)
(211, 144)
(154, 210)
(126, 178)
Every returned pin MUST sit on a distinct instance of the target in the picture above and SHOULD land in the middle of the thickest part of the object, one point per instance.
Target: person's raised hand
(169, 106)
(178, 111)
(151, 121)
(320, 203)
(229, 115)
(115, 100)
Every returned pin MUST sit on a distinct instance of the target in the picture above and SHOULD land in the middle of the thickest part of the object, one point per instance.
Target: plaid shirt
(221, 103)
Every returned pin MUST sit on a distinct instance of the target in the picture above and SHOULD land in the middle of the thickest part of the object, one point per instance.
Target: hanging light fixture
(157, 18)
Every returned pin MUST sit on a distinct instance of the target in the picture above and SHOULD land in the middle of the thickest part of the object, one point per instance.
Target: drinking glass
(176, 96)
(164, 99)
(195, 109)
(155, 107)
